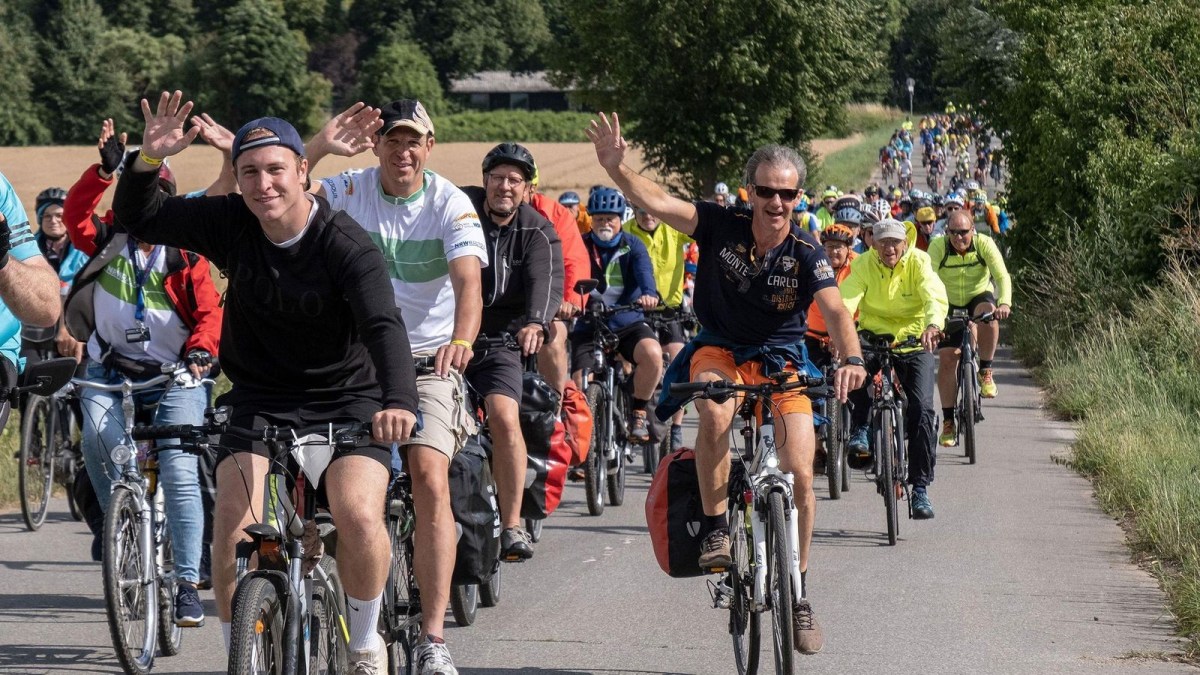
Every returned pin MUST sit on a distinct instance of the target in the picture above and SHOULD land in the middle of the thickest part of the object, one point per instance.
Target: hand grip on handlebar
(688, 388)
(156, 432)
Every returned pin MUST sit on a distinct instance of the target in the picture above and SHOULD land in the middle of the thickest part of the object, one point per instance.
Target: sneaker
(676, 438)
(806, 632)
(639, 426)
(97, 547)
(987, 387)
(576, 474)
(922, 509)
(949, 437)
(515, 545)
(205, 582)
(860, 448)
(714, 550)
(369, 661)
(189, 613)
(433, 658)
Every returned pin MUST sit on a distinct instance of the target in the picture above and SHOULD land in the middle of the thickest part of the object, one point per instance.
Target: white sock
(364, 623)
(226, 629)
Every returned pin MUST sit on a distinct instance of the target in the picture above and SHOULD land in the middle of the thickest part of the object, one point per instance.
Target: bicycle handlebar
(343, 434)
(814, 386)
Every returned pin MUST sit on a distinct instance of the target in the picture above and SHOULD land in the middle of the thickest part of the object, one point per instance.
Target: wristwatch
(856, 361)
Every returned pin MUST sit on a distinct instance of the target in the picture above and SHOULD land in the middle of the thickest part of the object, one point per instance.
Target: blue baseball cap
(284, 134)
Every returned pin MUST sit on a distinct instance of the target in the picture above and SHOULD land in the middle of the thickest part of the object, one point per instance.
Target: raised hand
(112, 148)
(214, 134)
(606, 136)
(349, 133)
(164, 135)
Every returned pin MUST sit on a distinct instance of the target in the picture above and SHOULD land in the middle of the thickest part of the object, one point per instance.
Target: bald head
(960, 221)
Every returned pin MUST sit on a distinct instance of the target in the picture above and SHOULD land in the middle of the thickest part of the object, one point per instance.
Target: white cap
(889, 228)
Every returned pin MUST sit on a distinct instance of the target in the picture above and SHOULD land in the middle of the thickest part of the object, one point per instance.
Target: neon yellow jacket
(666, 247)
(902, 301)
(967, 275)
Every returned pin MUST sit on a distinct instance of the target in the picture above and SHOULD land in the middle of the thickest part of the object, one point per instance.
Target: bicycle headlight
(121, 454)
(772, 462)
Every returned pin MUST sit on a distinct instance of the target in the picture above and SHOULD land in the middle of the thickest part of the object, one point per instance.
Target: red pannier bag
(546, 448)
(578, 420)
(675, 514)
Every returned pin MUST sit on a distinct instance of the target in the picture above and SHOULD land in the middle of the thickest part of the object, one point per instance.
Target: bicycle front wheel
(36, 460)
(170, 636)
(885, 440)
(256, 635)
(743, 620)
(833, 447)
(779, 581)
(594, 467)
(325, 617)
(131, 603)
(969, 394)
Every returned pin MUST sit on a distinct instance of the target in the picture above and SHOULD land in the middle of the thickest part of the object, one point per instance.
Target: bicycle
(764, 543)
(835, 435)
(968, 410)
(660, 318)
(137, 558)
(49, 452)
(887, 425)
(607, 391)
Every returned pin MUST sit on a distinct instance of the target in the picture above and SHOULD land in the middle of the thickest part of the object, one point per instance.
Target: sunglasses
(959, 233)
(785, 194)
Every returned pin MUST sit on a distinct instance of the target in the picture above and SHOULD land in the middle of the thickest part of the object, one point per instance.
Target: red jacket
(188, 283)
(576, 265)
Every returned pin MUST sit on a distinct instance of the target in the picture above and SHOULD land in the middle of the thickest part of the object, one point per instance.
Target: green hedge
(542, 126)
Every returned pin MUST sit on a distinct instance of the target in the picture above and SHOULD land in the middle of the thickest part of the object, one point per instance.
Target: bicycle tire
(489, 593)
(256, 633)
(886, 474)
(970, 396)
(327, 615)
(70, 439)
(170, 636)
(401, 604)
(779, 582)
(594, 466)
(744, 625)
(833, 447)
(464, 603)
(847, 421)
(614, 477)
(36, 461)
(130, 606)
(534, 527)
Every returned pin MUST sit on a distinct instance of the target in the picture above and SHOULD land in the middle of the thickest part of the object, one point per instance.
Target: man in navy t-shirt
(756, 277)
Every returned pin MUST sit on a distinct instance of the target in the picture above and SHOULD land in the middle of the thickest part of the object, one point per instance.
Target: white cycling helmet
(721, 189)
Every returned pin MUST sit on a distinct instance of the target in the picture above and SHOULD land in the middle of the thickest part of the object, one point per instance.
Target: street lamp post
(910, 83)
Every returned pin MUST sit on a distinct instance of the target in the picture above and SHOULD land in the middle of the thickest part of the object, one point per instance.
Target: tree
(400, 70)
(20, 117)
(77, 88)
(156, 17)
(701, 85)
(255, 66)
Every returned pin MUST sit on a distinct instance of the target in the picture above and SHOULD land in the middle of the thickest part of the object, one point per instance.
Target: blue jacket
(625, 274)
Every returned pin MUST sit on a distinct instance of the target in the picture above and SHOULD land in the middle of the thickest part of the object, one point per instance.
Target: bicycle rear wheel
(885, 456)
(256, 635)
(400, 615)
(130, 603)
(743, 620)
(615, 475)
(36, 460)
(833, 447)
(464, 603)
(594, 467)
(489, 593)
(779, 581)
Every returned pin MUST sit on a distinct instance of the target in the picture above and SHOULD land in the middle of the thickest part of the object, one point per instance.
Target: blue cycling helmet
(848, 214)
(568, 199)
(606, 200)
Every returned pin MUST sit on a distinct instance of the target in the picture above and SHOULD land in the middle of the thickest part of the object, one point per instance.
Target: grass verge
(851, 167)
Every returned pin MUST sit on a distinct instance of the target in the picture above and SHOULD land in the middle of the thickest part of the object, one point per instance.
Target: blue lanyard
(140, 276)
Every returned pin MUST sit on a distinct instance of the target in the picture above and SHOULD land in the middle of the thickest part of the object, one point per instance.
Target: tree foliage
(400, 70)
(705, 85)
(20, 119)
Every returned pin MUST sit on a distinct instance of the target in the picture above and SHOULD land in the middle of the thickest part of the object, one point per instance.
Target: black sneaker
(189, 613)
(922, 509)
(515, 545)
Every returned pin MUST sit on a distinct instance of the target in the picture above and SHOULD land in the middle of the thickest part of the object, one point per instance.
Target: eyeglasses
(785, 194)
(499, 179)
(959, 233)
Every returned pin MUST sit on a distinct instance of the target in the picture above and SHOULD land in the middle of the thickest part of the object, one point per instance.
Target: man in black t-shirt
(756, 277)
(311, 335)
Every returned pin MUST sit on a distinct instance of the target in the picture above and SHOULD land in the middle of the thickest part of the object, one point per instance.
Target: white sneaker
(433, 658)
(369, 662)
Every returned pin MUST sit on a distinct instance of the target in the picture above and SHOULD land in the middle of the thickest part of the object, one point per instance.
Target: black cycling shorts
(581, 350)
(671, 332)
(495, 371)
(952, 339)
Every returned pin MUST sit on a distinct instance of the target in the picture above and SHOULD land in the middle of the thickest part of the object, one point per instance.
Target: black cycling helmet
(54, 196)
(510, 153)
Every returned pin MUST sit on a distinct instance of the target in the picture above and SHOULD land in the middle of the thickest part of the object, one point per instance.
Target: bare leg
(509, 458)
(239, 504)
(434, 545)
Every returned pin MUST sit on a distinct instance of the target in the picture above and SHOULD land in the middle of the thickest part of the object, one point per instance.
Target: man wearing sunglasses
(757, 274)
(968, 265)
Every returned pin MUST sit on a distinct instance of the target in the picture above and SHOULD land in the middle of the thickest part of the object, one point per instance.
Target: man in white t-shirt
(433, 244)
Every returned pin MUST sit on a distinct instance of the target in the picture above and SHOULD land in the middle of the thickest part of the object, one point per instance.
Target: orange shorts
(717, 359)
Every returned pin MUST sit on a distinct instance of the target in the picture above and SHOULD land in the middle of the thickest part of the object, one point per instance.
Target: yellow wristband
(462, 343)
(149, 160)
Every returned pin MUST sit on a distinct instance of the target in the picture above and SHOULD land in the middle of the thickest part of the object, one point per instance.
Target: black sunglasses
(786, 194)
(959, 233)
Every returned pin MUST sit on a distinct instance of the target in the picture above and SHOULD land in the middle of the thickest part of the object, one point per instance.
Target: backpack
(476, 514)
(675, 514)
(577, 419)
(547, 452)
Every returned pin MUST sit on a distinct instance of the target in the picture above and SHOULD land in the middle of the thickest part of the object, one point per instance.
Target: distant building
(502, 90)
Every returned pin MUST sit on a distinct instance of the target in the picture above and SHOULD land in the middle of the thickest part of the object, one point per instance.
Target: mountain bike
(764, 542)
(968, 410)
(138, 562)
(49, 452)
(608, 396)
(835, 435)
(887, 425)
(289, 613)
(660, 318)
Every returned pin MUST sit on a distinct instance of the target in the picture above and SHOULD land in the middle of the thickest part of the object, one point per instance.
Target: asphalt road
(1018, 573)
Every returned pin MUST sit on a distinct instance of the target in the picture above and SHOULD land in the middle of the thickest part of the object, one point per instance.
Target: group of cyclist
(364, 295)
